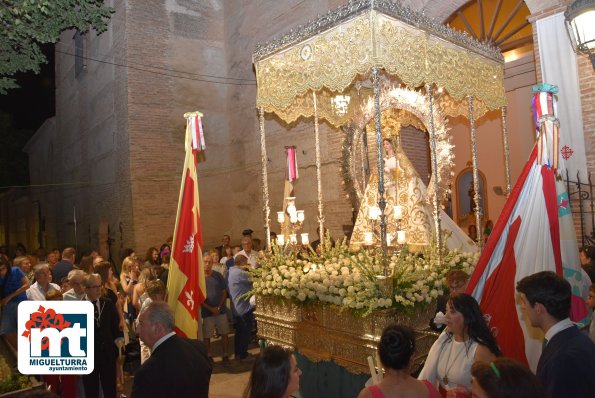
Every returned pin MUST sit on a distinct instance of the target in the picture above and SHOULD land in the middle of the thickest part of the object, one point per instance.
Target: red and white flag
(186, 280)
(534, 233)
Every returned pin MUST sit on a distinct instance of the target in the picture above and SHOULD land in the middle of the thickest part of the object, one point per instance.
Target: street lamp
(580, 24)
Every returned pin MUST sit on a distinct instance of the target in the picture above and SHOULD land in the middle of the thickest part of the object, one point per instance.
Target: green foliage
(14, 383)
(25, 24)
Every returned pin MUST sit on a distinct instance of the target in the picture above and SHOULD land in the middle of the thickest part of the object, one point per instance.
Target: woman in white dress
(466, 340)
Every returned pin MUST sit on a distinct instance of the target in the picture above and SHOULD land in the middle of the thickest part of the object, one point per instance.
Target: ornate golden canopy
(335, 53)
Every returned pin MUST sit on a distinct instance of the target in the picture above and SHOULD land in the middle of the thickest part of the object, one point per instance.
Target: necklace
(98, 311)
(447, 368)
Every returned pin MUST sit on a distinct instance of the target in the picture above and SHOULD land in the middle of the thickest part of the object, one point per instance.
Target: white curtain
(559, 67)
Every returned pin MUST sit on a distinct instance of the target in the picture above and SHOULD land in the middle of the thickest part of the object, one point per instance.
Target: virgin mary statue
(403, 188)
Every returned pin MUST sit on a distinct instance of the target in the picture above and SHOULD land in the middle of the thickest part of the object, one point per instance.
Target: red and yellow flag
(186, 281)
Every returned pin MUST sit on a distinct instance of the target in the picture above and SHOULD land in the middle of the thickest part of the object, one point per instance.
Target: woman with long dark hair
(152, 258)
(466, 340)
(275, 374)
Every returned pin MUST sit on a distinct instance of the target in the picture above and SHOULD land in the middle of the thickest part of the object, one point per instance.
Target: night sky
(34, 101)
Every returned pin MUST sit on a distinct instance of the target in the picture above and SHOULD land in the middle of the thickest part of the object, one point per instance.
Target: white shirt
(252, 257)
(452, 359)
(161, 340)
(37, 293)
(557, 328)
(71, 295)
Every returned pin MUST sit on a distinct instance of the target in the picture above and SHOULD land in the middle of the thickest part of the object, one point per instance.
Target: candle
(401, 237)
(372, 370)
(379, 364)
(281, 239)
(293, 238)
(300, 215)
(281, 217)
(291, 205)
(305, 240)
(398, 212)
(374, 212)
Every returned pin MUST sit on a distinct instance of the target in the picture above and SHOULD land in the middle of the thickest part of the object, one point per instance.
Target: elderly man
(239, 283)
(77, 292)
(39, 290)
(107, 333)
(213, 309)
(177, 367)
(567, 363)
(247, 252)
(64, 266)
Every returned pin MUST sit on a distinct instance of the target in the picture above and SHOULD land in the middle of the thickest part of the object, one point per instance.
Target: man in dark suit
(567, 363)
(107, 332)
(177, 367)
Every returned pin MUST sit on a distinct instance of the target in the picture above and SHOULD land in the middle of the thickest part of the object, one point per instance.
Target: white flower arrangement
(349, 280)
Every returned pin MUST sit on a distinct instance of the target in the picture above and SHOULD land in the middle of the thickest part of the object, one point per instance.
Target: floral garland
(350, 280)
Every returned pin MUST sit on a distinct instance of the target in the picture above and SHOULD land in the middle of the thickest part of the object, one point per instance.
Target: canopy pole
(265, 182)
(437, 220)
(506, 149)
(318, 172)
(381, 200)
(477, 194)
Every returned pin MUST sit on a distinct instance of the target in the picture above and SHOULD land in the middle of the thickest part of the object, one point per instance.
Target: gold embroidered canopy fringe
(335, 53)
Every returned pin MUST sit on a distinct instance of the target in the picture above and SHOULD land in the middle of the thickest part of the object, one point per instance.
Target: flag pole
(186, 284)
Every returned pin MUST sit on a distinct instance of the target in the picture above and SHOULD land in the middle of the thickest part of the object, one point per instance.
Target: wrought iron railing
(582, 202)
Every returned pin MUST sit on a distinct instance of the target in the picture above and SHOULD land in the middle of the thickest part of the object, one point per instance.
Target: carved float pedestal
(324, 333)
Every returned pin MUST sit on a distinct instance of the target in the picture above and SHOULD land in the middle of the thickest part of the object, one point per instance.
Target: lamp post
(580, 24)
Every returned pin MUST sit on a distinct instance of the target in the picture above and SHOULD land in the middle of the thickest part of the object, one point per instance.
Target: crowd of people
(122, 301)
(464, 361)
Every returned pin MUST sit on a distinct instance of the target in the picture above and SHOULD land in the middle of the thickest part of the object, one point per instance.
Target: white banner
(559, 67)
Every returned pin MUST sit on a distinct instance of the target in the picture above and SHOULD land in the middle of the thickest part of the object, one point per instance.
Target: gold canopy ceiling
(334, 55)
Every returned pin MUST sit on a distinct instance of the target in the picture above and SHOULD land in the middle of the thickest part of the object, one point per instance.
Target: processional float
(306, 71)
(377, 55)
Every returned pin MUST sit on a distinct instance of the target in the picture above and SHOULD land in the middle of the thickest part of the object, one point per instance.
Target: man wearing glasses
(107, 332)
(77, 291)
